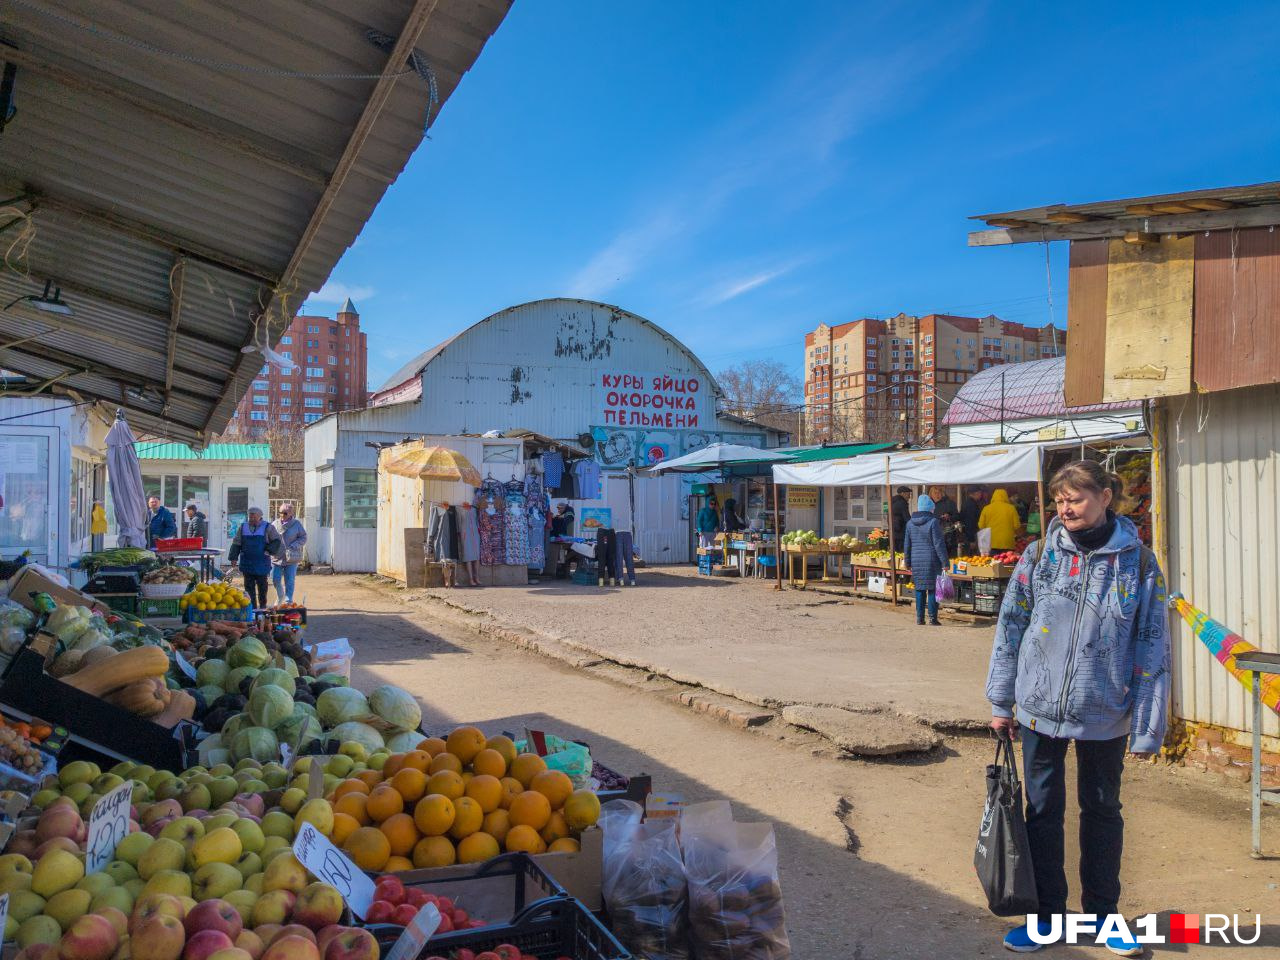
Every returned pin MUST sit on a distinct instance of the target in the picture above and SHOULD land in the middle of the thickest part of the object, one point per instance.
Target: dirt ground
(876, 857)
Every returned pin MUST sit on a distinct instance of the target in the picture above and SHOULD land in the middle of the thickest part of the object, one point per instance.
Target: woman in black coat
(925, 551)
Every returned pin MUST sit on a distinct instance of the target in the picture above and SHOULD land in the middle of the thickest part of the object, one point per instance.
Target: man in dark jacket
(161, 525)
(945, 509)
(969, 514)
(899, 514)
(924, 551)
(195, 524)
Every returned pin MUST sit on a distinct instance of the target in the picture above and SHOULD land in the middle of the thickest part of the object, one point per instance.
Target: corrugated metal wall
(1223, 469)
(1237, 339)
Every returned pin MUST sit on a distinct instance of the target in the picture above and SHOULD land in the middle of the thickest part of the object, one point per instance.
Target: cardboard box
(579, 873)
(29, 580)
(877, 584)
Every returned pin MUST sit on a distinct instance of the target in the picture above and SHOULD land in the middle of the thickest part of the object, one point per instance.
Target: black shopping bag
(1003, 854)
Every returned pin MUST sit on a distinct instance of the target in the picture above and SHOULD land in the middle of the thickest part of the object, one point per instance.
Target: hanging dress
(491, 519)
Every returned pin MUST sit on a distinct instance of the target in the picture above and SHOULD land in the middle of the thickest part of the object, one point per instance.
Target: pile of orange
(461, 800)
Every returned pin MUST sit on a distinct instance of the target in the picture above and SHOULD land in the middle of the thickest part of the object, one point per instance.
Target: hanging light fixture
(48, 302)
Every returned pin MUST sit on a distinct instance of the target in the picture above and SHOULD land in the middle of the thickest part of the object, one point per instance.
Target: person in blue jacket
(924, 550)
(161, 524)
(1081, 655)
(252, 548)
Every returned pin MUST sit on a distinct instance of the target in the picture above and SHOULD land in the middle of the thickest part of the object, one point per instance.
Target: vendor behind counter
(562, 521)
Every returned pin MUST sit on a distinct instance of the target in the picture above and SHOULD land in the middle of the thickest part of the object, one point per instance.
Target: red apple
(380, 911)
(390, 889)
(90, 937)
(292, 948)
(116, 918)
(445, 904)
(417, 896)
(23, 842)
(352, 944)
(250, 943)
(38, 951)
(328, 933)
(155, 904)
(56, 843)
(404, 914)
(293, 930)
(205, 943)
(318, 906)
(265, 933)
(214, 915)
(159, 936)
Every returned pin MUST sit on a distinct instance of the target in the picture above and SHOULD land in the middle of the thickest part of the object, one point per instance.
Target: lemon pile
(214, 596)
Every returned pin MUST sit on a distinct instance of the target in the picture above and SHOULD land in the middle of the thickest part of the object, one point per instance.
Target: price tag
(183, 665)
(108, 825)
(286, 756)
(330, 865)
(416, 934)
(4, 913)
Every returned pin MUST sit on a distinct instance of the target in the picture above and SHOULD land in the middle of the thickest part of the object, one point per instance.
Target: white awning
(1010, 463)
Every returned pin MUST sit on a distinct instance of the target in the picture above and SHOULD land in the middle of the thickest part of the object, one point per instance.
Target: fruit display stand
(96, 729)
(802, 552)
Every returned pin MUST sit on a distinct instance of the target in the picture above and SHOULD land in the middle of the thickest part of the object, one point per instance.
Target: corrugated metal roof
(172, 170)
(838, 452)
(214, 451)
(1017, 390)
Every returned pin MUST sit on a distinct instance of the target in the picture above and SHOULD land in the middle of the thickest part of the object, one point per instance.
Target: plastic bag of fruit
(644, 886)
(735, 899)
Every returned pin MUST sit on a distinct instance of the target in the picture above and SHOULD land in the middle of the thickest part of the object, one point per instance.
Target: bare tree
(286, 442)
(762, 390)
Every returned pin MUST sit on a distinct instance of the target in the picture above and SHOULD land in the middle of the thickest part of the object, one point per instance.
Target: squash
(121, 670)
(182, 706)
(66, 663)
(96, 654)
(142, 697)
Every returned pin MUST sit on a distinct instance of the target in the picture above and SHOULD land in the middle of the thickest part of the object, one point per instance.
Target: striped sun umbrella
(1226, 646)
(431, 463)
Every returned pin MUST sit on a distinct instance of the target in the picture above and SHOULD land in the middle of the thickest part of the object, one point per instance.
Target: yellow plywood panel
(1150, 289)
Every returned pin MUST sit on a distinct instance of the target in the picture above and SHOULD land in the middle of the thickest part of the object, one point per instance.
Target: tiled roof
(1018, 391)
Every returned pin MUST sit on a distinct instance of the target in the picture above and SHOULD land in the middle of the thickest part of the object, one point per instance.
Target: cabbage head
(355, 731)
(404, 741)
(249, 652)
(269, 706)
(257, 743)
(276, 677)
(340, 704)
(396, 706)
(212, 673)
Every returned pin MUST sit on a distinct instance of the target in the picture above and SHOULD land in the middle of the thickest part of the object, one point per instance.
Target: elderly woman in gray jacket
(284, 567)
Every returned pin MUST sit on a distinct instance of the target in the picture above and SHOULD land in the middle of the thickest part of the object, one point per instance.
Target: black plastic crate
(114, 580)
(548, 929)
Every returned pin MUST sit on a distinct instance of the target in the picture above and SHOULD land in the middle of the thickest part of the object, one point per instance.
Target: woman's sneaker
(1019, 940)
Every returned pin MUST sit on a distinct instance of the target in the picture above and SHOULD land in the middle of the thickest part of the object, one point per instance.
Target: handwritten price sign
(330, 865)
(108, 825)
(416, 934)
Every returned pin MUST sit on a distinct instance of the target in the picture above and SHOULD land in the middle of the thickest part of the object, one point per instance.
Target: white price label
(4, 913)
(330, 865)
(416, 934)
(108, 825)
(183, 665)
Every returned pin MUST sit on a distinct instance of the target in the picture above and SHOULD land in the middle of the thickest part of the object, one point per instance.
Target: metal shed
(177, 177)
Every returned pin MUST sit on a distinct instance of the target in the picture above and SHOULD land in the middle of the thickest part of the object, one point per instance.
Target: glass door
(29, 509)
(237, 509)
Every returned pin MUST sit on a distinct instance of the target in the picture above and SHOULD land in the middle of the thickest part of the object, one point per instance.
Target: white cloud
(732, 289)
(335, 292)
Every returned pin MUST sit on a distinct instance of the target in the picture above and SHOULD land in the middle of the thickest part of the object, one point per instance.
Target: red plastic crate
(172, 544)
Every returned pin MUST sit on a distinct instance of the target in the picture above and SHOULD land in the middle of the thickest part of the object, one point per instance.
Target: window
(313, 358)
(286, 402)
(347, 331)
(333, 331)
(332, 388)
(311, 417)
(360, 499)
(313, 388)
(286, 387)
(894, 390)
(81, 499)
(315, 371)
(333, 361)
(195, 490)
(266, 369)
(326, 506)
(288, 355)
(286, 339)
(346, 361)
(257, 414)
(260, 399)
(285, 417)
(312, 328)
(260, 384)
(313, 343)
(313, 402)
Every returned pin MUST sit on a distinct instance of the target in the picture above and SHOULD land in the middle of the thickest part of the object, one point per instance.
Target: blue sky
(740, 171)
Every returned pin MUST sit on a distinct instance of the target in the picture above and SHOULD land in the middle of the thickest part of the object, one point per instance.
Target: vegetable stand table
(803, 553)
(862, 574)
(1257, 663)
(204, 556)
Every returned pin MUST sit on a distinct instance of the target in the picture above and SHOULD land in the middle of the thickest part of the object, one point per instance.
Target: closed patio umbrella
(126, 485)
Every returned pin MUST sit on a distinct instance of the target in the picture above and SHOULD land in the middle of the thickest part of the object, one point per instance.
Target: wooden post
(1044, 529)
(893, 562)
(777, 535)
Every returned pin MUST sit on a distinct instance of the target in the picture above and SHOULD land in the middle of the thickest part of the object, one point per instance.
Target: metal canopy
(170, 169)
(1223, 208)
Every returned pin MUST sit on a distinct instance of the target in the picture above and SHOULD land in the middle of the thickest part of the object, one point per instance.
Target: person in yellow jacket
(1001, 517)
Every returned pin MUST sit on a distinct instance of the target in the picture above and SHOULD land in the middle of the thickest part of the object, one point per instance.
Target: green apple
(221, 770)
(254, 786)
(186, 830)
(38, 929)
(68, 906)
(254, 884)
(195, 797)
(378, 759)
(96, 883)
(124, 769)
(250, 834)
(221, 789)
(78, 792)
(243, 901)
(275, 776)
(249, 864)
(164, 854)
(143, 772)
(135, 887)
(141, 792)
(277, 823)
(170, 789)
(274, 843)
(24, 904)
(215, 880)
(120, 871)
(133, 846)
(216, 846)
(340, 764)
(107, 782)
(248, 763)
(203, 777)
(173, 882)
(354, 750)
(118, 897)
(224, 819)
(13, 881)
(291, 800)
(78, 771)
(157, 779)
(43, 798)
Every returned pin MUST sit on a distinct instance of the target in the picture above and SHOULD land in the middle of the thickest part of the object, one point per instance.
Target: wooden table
(861, 571)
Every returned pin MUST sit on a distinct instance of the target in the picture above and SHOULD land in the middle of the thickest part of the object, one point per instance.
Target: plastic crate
(239, 615)
(119, 602)
(158, 607)
(548, 929)
(175, 544)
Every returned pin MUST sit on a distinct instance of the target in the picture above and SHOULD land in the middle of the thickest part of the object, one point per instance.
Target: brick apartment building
(329, 373)
(892, 379)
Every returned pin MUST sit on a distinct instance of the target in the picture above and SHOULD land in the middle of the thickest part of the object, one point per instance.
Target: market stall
(228, 769)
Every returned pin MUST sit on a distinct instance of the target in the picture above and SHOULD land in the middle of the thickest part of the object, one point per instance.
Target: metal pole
(777, 535)
(1002, 406)
(1257, 765)
(1040, 491)
(893, 561)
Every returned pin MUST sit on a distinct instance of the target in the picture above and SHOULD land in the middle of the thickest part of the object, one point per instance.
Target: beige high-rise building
(874, 380)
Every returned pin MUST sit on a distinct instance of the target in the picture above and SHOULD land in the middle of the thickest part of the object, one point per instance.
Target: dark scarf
(1090, 540)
